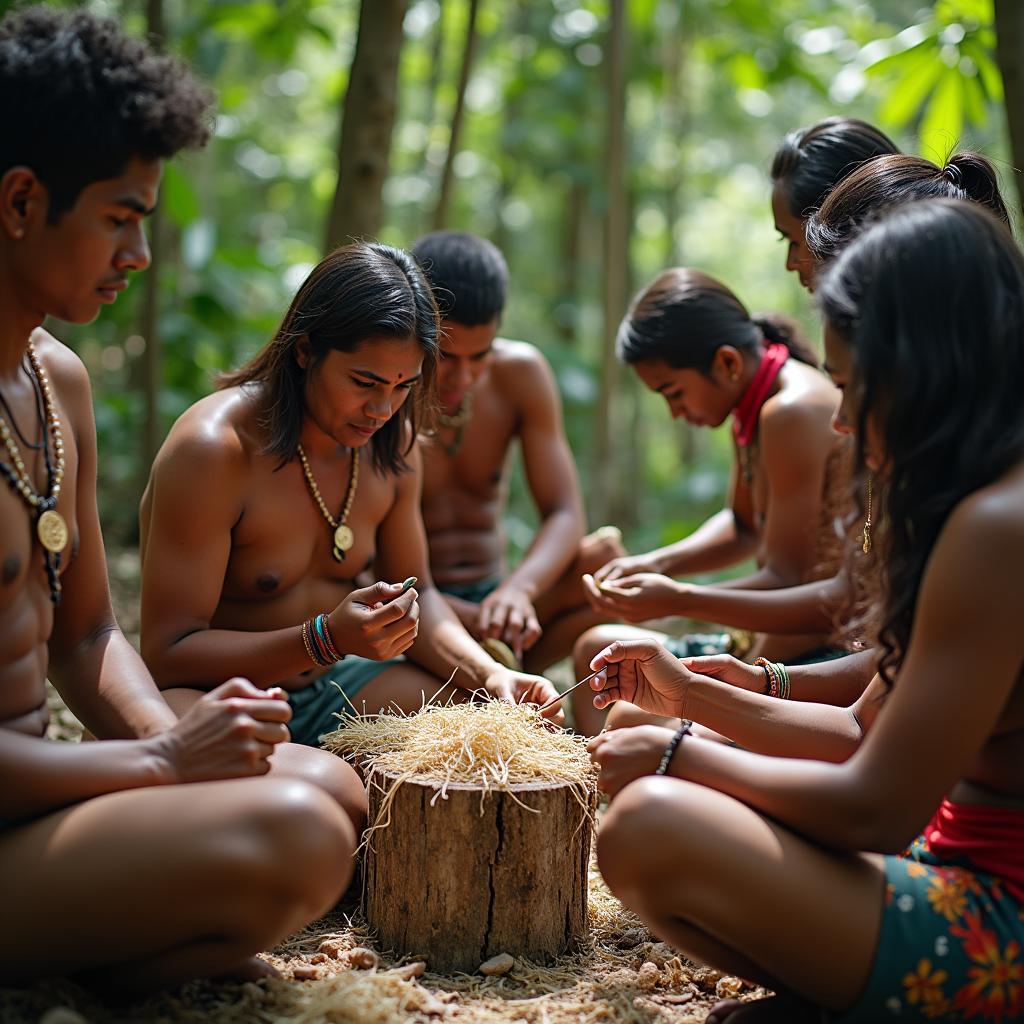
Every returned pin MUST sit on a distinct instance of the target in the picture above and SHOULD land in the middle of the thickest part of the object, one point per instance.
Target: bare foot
(772, 1010)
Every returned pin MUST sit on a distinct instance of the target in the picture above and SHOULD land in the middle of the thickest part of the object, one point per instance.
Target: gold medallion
(344, 538)
(52, 531)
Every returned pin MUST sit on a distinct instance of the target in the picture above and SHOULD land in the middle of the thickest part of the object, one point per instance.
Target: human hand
(521, 688)
(636, 598)
(643, 673)
(228, 733)
(729, 670)
(377, 622)
(627, 565)
(624, 755)
(507, 614)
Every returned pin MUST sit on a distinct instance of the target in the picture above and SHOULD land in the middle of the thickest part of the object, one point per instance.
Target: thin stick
(565, 693)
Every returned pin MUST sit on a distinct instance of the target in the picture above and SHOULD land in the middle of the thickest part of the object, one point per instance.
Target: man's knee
(299, 843)
(599, 548)
(590, 644)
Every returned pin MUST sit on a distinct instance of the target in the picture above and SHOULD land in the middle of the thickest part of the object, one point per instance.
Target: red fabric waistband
(991, 838)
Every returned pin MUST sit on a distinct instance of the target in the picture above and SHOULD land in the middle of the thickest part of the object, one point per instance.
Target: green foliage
(713, 86)
(941, 75)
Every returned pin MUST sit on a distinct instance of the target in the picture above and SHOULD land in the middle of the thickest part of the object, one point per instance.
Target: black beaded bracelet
(670, 750)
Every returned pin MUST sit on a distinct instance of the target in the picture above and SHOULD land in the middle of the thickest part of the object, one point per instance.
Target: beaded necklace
(51, 529)
(344, 538)
(458, 420)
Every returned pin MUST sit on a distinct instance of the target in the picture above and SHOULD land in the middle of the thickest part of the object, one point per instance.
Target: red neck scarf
(744, 422)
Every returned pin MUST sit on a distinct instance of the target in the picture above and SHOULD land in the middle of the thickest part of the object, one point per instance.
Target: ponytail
(780, 329)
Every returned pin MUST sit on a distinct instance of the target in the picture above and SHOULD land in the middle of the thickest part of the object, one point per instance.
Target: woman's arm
(963, 661)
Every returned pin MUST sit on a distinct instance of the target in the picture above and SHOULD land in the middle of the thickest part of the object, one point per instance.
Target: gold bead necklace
(344, 538)
(51, 529)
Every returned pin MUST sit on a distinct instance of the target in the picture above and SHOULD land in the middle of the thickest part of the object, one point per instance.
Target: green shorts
(473, 592)
(697, 645)
(323, 705)
(950, 947)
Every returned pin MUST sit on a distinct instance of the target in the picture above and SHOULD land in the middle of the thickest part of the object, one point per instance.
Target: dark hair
(81, 100)
(360, 291)
(931, 301)
(897, 179)
(468, 274)
(812, 161)
(685, 316)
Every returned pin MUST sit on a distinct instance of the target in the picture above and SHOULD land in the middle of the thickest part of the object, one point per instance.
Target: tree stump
(477, 874)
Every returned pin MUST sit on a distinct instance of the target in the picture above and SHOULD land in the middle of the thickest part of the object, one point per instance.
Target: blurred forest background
(595, 141)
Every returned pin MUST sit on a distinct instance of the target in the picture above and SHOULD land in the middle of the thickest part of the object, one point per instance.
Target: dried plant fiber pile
(480, 828)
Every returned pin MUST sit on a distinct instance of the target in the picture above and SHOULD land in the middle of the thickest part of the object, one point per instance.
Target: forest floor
(623, 975)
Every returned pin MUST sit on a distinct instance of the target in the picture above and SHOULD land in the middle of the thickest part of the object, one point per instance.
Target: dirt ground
(623, 975)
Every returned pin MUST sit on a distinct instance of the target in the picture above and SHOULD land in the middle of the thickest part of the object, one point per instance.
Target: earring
(19, 232)
(734, 377)
(866, 532)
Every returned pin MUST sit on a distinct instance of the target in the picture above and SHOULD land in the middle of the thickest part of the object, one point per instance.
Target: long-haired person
(899, 871)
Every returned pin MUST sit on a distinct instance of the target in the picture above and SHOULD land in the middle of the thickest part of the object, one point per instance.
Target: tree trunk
(470, 877)
(468, 52)
(1010, 54)
(368, 117)
(567, 313)
(615, 257)
(151, 377)
(434, 82)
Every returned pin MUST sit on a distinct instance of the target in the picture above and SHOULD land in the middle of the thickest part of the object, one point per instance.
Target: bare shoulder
(520, 368)
(66, 371)
(216, 436)
(986, 527)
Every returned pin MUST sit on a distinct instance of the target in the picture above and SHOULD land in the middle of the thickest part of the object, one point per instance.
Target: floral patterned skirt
(950, 948)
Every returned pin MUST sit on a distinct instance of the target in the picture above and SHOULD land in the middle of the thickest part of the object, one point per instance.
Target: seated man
(270, 496)
(117, 867)
(494, 392)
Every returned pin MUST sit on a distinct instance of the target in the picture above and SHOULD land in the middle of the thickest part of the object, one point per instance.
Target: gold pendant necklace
(344, 538)
(51, 528)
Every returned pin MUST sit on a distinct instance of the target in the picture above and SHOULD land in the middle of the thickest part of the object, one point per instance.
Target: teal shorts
(698, 645)
(323, 705)
(473, 592)
(951, 946)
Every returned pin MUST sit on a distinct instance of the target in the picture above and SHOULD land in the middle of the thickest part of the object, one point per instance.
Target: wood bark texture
(368, 116)
(469, 878)
(1009, 15)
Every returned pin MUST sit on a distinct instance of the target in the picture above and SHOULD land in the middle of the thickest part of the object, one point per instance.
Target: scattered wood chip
(728, 987)
(305, 972)
(631, 937)
(334, 948)
(361, 958)
(413, 970)
(500, 964)
(676, 998)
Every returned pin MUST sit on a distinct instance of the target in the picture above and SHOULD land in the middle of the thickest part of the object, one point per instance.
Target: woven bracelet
(673, 744)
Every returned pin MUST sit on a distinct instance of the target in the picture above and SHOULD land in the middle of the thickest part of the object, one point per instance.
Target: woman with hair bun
(691, 340)
(808, 164)
(898, 179)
